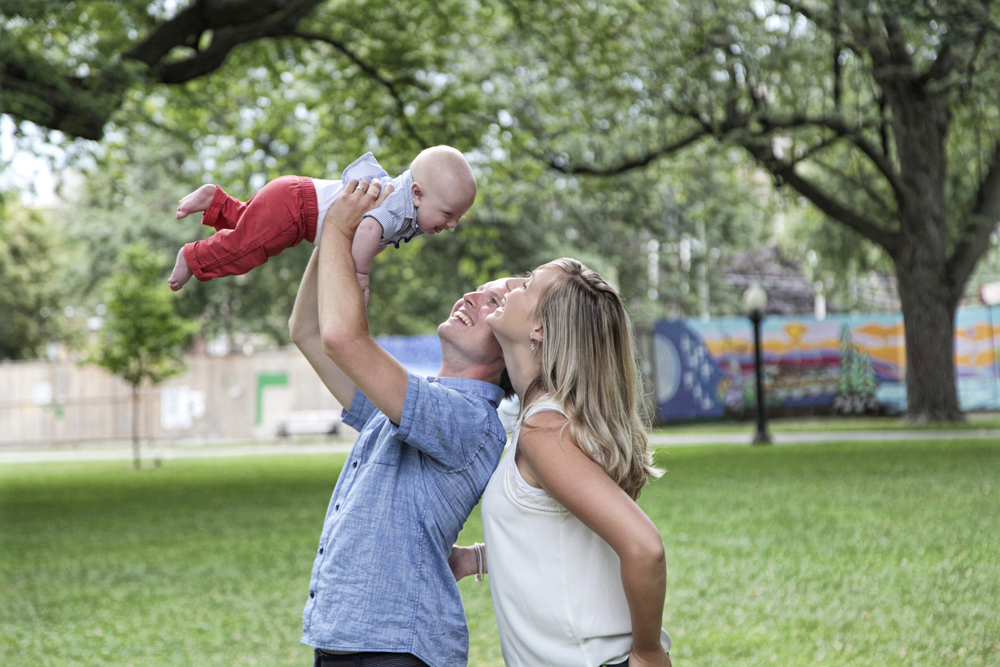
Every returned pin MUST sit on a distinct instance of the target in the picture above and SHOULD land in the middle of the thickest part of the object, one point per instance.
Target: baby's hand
(363, 282)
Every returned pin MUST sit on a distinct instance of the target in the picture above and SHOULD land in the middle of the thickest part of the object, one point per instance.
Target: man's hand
(363, 283)
(358, 198)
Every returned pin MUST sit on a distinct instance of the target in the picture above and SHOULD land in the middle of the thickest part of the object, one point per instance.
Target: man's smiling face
(466, 328)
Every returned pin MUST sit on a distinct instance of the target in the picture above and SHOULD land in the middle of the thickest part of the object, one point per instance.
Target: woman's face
(514, 319)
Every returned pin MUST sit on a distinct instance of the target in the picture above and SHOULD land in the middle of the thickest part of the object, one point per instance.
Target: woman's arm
(551, 457)
(464, 562)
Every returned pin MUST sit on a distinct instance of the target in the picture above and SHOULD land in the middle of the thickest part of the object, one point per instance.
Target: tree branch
(280, 22)
(78, 106)
(896, 54)
(45, 94)
(860, 185)
(371, 71)
(785, 171)
(982, 221)
(627, 165)
(841, 129)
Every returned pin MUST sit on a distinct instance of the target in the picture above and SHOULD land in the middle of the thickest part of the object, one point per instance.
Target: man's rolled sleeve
(448, 425)
(359, 413)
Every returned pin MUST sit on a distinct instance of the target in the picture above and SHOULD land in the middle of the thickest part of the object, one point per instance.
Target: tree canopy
(31, 277)
(882, 114)
(305, 106)
(600, 129)
(143, 338)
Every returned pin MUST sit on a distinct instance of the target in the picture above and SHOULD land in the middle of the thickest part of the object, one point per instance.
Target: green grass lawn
(845, 554)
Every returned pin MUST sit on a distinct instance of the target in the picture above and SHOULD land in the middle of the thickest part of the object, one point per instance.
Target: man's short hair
(505, 384)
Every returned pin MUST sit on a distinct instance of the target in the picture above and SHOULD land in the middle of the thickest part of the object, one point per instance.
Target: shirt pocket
(387, 455)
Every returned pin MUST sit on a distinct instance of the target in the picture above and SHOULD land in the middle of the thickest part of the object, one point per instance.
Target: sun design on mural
(795, 331)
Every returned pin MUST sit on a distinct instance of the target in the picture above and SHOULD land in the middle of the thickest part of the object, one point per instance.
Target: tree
(66, 82)
(882, 114)
(142, 339)
(72, 66)
(306, 96)
(29, 282)
(309, 100)
(835, 262)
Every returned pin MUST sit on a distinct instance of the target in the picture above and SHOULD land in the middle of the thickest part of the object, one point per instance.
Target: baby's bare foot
(196, 202)
(181, 273)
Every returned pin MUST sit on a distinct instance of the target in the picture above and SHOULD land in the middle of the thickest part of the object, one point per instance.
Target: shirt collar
(406, 186)
(491, 392)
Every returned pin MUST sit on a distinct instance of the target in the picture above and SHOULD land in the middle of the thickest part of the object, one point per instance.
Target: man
(381, 591)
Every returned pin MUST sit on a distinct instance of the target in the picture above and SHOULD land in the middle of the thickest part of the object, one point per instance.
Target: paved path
(165, 452)
(118, 452)
(801, 438)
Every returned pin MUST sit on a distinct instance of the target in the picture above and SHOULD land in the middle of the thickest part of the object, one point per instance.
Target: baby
(430, 197)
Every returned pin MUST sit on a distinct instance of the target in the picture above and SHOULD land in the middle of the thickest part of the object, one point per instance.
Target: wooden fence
(217, 398)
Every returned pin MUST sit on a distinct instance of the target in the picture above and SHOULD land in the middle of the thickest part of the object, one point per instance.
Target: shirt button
(311, 595)
(321, 550)
(354, 465)
(337, 506)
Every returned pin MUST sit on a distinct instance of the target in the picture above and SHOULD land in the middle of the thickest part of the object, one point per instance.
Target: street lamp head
(755, 300)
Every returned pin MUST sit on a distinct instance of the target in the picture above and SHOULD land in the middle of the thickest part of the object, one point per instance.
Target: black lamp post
(755, 302)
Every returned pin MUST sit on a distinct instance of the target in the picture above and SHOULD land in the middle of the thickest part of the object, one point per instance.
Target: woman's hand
(462, 562)
(649, 659)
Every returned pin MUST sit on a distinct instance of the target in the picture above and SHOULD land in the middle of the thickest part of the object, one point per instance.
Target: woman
(577, 570)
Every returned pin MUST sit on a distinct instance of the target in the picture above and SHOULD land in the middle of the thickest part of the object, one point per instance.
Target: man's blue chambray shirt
(381, 581)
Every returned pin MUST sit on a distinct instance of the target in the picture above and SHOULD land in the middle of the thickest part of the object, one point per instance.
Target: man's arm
(305, 332)
(342, 318)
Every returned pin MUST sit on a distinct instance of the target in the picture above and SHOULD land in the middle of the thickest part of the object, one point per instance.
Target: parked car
(309, 422)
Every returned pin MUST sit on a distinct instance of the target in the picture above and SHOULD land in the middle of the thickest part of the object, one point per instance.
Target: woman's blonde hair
(589, 368)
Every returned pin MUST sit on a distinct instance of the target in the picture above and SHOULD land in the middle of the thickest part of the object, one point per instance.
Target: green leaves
(29, 282)
(142, 338)
(595, 130)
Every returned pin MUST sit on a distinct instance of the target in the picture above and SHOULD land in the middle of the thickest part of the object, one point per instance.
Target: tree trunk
(929, 322)
(920, 118)
(135, 426)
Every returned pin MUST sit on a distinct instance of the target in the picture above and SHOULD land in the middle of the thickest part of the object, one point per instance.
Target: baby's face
(437, 213)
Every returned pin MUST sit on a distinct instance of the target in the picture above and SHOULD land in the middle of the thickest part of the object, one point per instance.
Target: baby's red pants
(280, 215)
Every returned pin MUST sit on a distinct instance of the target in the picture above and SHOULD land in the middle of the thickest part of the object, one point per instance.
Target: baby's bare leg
(182, 273)
(196, 202)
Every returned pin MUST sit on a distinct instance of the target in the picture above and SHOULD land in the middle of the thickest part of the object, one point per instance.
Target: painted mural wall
(845, 364)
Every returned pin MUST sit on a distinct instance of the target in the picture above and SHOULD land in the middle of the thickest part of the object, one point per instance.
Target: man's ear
(418, 193)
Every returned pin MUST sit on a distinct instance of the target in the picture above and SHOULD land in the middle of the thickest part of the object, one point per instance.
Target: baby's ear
(418, 192)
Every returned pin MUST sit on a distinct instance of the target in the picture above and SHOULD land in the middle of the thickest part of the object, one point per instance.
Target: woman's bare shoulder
(545, 419)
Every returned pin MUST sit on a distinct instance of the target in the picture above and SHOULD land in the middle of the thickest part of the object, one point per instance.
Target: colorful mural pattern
(844, 364)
